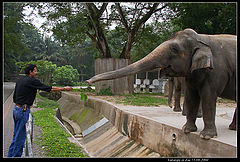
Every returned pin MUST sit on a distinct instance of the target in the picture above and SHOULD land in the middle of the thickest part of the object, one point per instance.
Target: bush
(105, 92)
(45, 69)
(66, 75)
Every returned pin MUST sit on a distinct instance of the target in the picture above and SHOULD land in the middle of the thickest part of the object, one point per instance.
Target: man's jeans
(20, 118)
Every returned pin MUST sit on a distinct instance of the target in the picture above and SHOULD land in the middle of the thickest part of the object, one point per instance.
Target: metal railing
(29, 133)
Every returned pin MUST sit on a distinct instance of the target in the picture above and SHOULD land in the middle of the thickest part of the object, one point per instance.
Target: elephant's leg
(192, 100)
(170, 90)
(177, 95)
(208, 112)
(184, 113)
(232, 126)
(199, 114)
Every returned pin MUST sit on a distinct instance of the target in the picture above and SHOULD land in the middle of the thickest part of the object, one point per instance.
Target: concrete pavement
(8, 88)
(165, 115)
(7, 116)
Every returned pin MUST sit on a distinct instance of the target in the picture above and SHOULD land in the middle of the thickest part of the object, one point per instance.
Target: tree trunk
(126, 52)
(100, 42)
(132, 32)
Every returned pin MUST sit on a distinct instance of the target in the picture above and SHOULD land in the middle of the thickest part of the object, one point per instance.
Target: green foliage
(105, 92)
(53, 139)
(209, 18)
(74, 37)
(152, 36)
(45, 69)
(83, 97)
(23, 42)
(73, 23)
(13, 46)
(65, 75)
(83, 90)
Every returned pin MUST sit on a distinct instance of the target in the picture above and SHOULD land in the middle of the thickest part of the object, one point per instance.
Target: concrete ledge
(158, 128)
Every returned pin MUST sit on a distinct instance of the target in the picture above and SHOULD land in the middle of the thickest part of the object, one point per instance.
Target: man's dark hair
(29, 67)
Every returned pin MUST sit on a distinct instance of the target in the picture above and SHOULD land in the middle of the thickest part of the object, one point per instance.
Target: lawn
(142, 100)
(53, 139)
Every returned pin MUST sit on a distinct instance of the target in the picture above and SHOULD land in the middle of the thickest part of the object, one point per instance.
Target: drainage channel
(102, 139)
(94, 126)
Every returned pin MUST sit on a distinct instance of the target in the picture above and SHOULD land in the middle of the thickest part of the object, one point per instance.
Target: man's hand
(68, 88)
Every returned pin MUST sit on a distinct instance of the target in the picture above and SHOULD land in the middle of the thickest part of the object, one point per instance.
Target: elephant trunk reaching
(149, 62)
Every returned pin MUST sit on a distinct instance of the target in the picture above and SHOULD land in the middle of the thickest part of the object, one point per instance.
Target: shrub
(66, 75)
(105, 92)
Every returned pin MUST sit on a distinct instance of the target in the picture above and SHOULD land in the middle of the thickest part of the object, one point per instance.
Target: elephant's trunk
(149, 62)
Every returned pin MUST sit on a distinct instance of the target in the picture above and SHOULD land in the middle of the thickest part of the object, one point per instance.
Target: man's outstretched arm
(54, 89)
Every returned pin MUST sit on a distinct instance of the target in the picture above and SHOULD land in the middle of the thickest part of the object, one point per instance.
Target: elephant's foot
(232, 126)
(208, 133)
(177, 109)
(187, 128)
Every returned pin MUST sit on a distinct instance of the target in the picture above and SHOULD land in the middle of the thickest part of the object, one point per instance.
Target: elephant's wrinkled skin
(208, 63)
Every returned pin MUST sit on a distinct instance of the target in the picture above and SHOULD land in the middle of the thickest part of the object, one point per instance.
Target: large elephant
(208, 63)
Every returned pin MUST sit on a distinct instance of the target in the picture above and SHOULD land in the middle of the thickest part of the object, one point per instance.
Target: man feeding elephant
(208, 63)
(24, 95)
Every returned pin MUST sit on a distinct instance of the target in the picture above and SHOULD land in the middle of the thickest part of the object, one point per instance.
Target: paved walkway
(167, 116)
(7, 116)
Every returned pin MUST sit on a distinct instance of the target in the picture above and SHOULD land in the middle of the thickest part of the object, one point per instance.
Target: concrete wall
(168, 141)
(118, 86)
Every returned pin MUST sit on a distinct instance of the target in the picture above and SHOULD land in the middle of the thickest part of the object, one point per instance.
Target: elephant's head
(180, 55)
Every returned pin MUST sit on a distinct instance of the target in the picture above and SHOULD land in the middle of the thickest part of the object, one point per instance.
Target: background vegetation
(85, 31)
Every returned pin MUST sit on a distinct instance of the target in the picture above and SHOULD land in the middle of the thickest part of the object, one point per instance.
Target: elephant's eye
(174, 48)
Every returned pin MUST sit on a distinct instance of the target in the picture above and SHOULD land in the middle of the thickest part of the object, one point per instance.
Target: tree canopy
(209, 18)
(84, 31)
(72, 22)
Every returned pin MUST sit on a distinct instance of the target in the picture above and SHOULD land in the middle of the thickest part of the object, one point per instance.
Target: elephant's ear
(202, 57)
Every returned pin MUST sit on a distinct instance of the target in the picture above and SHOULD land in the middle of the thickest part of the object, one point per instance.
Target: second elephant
(177, 85)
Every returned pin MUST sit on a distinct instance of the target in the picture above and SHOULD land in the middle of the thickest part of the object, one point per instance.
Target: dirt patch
(224, 103)
(38, 151)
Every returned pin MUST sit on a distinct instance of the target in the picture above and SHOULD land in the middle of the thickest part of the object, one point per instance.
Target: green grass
(82, 90)
(142, 100)
(105, 92)
(53, 138)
